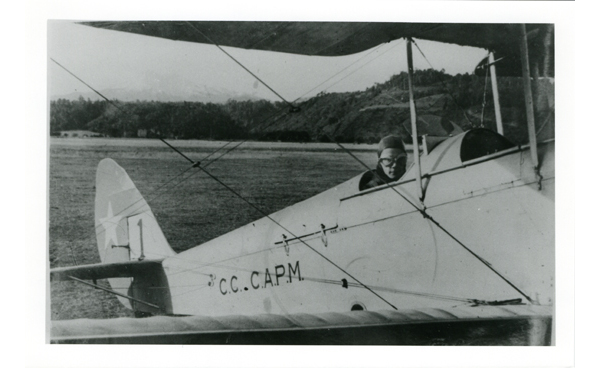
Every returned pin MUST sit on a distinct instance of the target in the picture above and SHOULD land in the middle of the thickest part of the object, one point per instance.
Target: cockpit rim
(518, 148)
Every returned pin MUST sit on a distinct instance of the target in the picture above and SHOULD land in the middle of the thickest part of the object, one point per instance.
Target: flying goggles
(398, 160)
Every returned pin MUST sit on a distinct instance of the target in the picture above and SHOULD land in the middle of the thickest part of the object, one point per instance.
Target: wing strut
(529, 103)
(413, 120)
(495, 94)
(428, 217)
(417, 161)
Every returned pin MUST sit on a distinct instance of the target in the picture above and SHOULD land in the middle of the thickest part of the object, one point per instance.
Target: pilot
(391, 164)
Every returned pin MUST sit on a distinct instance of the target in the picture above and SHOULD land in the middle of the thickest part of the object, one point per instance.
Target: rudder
(126, 229)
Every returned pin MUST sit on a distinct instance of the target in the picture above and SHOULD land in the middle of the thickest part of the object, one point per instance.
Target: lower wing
(463, 325)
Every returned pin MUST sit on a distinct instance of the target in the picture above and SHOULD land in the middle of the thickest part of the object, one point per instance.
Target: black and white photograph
(418, 210)
(234, 181)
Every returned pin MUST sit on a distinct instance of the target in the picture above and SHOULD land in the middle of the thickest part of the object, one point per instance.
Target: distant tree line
(347, 117)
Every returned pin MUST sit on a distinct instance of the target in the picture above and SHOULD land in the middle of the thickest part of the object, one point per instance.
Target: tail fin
(126, 230)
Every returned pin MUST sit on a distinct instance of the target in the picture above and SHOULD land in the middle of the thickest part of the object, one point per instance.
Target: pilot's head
(392, 157)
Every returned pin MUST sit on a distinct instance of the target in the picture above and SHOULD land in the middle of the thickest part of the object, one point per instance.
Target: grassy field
(191, 211)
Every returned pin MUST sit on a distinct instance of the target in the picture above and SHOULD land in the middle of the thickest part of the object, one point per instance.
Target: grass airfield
(272, 175)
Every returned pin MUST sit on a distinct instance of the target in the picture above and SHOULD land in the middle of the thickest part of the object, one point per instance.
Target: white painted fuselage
(292, 261)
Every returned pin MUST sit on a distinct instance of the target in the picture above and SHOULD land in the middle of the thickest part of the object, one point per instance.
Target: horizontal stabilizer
(106, 270)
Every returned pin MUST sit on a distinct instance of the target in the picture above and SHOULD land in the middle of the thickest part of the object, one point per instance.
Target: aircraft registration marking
(278, 276)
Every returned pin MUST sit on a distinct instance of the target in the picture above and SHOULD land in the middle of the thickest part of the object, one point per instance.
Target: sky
(107, 59)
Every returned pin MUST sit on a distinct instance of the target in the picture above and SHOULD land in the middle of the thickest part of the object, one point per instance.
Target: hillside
(361, 117)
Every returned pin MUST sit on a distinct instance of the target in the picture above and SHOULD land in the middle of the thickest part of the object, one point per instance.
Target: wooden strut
(413, 119)
(528, 99)
(495, 93)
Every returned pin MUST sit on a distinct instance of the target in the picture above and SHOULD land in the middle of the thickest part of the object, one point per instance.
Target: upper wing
(325, 38)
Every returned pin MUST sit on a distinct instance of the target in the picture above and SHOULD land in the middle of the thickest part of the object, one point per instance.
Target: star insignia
(110, 224)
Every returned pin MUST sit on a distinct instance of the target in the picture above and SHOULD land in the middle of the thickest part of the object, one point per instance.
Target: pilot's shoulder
(369, 180)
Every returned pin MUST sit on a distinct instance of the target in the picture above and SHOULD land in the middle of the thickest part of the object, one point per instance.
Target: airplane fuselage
(344, 249)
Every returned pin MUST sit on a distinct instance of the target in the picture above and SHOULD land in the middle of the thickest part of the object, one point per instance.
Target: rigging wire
(172, 147)
(246, 140)
(197, 164)
(422, 211)
(312, 279)
(95, 233)
(297, 107)
(341, 71)
(240, 143)
(445, 86)
(90, 87)
(140, 201)
(99, 227)
(267, 249)
(241, 65)
(292, 234)
(176, 184)
(198, 286)
(217, 150)
(428, 217)
(365, 64)
(425, 215)
(298, 98)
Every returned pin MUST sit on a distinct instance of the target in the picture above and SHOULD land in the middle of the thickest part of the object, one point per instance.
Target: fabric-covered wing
(325, 38)
(489, 325)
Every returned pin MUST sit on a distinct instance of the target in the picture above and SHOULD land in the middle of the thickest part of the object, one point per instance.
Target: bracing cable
(240, 64)
(113, 103)
(292, 234)
(428, 217)
(444, 84)
(197, 164)
(344, 69)
(422, 211)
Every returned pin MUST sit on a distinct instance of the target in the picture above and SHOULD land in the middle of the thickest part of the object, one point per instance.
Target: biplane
(394, 264)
